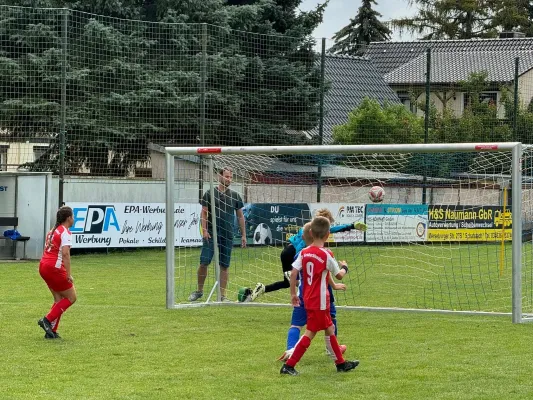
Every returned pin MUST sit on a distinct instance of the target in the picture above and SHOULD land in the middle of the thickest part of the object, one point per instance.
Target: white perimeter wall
(28, 198)
(149, 191)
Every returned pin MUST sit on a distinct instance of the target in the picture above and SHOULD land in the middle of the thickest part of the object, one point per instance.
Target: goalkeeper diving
(293, 248)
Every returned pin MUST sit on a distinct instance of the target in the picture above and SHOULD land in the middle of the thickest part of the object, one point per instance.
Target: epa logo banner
(94, 225)
(94, 219)
(133, 225)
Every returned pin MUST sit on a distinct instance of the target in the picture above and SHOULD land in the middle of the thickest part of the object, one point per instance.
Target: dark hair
(62, 215)
(221, 170)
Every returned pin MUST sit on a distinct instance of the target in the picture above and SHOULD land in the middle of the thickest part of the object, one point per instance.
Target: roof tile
(448, 67)
(387, 56)
(352, 79)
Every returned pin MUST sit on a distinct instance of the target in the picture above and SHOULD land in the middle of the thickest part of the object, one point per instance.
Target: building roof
(351, 79)
(387, 56)
(448, 67)
(265, 164)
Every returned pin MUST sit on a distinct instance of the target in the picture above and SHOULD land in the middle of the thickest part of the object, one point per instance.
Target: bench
(12, 222)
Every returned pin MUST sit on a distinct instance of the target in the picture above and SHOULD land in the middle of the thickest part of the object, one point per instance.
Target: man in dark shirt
(227, 202)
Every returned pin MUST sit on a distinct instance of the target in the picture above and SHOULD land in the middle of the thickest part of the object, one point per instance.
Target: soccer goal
(449, 230)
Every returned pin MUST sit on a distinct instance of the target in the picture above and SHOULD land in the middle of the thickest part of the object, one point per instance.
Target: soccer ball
(262, 234)
(244, 294)
(376, 194)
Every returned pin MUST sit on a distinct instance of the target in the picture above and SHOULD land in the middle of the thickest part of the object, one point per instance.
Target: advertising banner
(469, 223)
(133, 225)
(272, 223)
(396, 223)
(343, 213)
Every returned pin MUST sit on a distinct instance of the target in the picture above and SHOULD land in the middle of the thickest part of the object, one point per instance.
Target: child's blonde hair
(324, 212)
(320, 227)
(306, 235)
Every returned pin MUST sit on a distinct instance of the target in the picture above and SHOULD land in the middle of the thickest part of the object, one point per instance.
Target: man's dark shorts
(224, 251)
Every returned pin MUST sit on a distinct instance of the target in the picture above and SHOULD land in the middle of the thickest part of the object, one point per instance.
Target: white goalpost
(452, 234)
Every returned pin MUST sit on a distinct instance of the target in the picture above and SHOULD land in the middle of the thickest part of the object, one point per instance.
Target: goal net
(452, 232)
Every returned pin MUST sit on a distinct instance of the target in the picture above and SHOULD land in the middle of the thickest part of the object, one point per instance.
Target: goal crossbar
(346, 149)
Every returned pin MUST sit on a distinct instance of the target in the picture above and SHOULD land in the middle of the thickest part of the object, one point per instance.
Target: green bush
(371, 123)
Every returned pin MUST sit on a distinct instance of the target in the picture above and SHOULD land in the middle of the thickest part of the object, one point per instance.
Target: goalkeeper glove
(344, 267)
(360, 226)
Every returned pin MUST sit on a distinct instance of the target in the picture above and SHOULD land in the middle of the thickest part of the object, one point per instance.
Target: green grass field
(119, 342)
(439, 276)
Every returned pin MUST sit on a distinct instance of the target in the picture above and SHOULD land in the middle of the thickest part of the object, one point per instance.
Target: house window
(3, 158)
(405, 99)
(39, 151)
(484, 97)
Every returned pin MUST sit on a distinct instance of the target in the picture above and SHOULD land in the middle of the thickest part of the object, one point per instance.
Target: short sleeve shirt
(226, 203)
(55, 241)
(315, 264)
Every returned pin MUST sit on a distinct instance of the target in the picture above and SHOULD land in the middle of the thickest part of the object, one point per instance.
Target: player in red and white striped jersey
(316, 264)
(55, 270)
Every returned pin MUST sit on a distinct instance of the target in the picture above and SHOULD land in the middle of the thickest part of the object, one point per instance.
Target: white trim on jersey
(331, 263)
(298, 262)
(66, 240)
(331, 266)
(323, 289)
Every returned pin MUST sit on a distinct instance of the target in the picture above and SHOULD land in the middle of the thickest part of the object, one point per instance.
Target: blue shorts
(332, 309)
(224, 251)
(299, 315)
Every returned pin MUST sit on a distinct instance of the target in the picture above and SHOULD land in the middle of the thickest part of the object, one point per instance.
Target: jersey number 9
(309, 269)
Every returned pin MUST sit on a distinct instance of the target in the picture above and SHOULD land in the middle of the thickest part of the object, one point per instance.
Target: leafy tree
(480, 122)
(131, 83)
(370, 123)
(363, 29)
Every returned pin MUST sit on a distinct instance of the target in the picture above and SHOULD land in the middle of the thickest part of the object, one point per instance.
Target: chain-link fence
(96, 99)
(87, 95)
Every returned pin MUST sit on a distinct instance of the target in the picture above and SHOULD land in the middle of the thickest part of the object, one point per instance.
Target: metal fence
(88, 95)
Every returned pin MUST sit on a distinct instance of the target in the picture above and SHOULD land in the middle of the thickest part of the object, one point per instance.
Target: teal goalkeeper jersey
(298, 241)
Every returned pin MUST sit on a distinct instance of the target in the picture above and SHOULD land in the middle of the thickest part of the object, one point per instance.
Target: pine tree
(364, 28)
(445, 19)
(131, 83)
(510, 15)
(528, 29)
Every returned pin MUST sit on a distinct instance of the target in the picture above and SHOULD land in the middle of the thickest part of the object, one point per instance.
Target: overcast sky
(339, 12)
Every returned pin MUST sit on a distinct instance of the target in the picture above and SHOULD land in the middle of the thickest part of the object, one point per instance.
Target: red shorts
(55, 278)
(318, 320)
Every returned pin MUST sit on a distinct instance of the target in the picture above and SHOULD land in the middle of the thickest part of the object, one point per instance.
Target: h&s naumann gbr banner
(469, 223)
